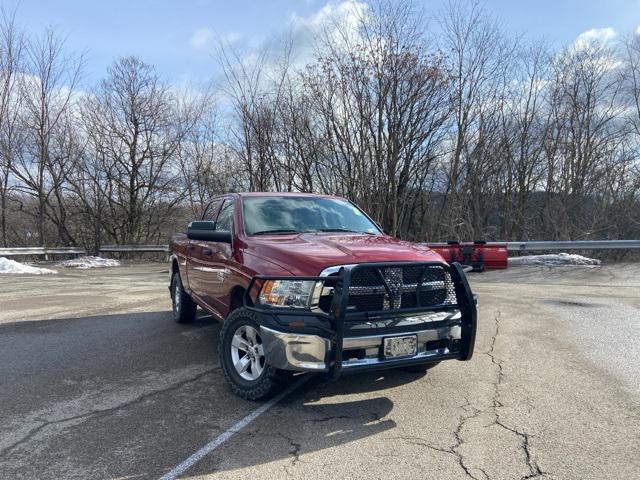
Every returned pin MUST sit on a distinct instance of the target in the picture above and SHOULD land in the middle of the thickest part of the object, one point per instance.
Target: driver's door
(199, 258)
(208, 262)
(221, 259)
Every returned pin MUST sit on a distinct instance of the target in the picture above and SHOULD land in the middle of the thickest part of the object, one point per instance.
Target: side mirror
(206, 231)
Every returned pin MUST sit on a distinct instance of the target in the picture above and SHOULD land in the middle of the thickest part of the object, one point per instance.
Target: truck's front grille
(396, 287)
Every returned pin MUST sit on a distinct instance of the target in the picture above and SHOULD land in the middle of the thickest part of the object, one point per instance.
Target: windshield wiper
(287, 230)
(346, 230)
(276, 231)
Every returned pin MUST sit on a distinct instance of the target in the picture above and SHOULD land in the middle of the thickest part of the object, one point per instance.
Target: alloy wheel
(247, 352)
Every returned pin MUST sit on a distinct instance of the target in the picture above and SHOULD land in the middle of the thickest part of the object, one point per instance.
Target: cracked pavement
(96, 381)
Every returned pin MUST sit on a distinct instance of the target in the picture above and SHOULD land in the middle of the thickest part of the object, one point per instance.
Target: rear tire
(184, 308)
(242, 359)
(420, 368)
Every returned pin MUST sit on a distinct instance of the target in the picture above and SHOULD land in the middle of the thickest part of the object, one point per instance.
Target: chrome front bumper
(311, 353)
(292, 351)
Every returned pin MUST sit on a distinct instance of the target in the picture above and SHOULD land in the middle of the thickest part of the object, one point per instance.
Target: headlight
(290, 293)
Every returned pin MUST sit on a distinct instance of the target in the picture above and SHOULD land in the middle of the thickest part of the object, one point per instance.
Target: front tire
(242, 358)
(184, 308)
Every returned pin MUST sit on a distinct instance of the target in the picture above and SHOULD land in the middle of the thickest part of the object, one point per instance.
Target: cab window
(211, 212)
(225, 217)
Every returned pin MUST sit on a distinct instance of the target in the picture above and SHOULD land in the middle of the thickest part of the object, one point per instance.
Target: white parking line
(216, 442)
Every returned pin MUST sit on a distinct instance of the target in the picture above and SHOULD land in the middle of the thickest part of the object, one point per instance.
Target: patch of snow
(11, 266)
(554, 259)
(84, 263)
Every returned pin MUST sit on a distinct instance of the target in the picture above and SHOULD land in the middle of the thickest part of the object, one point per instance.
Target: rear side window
(225, 217)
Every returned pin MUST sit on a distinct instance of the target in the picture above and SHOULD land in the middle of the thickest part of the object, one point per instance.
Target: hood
(309, 253)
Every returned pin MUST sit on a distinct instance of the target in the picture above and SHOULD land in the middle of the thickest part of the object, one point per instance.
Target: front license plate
(395, 347)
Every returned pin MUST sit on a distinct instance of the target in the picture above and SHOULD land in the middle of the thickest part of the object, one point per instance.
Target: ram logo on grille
(393, 278)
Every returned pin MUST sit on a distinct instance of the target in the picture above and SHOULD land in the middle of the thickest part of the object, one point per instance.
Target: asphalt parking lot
(96, 381)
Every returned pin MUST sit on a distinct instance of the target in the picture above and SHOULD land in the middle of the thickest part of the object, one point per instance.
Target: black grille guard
(465, 303)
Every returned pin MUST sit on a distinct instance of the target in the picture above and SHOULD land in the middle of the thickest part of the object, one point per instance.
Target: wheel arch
(175, 268)
(236, 297)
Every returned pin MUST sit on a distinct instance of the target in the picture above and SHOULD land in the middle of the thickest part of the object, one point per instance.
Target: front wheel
(242, 358)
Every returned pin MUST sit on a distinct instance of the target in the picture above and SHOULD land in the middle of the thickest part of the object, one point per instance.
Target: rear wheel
(420, 368)
(184, 308)
(242, 358)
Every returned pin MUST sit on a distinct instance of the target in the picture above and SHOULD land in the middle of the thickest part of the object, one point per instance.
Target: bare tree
(47, 95)
(135, 127)
(630, 79)
(478, 57)
(254, 94)
(626, 215)
(207, 165)
(383, 101)
(11, 58)
(585, 133)
(524, 123)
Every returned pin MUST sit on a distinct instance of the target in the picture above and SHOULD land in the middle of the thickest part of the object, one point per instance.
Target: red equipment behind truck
(478, 255)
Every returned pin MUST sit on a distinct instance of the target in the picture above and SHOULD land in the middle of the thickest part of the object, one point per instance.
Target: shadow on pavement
(297, 428)
(322, 415)
(360, 383)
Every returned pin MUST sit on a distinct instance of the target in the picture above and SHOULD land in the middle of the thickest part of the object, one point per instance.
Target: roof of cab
(283, 194)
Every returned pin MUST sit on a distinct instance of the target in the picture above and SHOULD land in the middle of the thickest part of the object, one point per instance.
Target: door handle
(207, 251)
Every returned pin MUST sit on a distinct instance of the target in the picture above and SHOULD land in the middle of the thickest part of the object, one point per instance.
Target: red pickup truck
(307, 282)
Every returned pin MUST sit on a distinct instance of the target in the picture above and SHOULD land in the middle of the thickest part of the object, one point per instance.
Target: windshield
(281, 215)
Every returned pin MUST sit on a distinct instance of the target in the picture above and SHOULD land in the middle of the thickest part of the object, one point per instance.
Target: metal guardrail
(557, 245)
(134, 248)
(511, 246)
(15, 251)
(8, 252)
(571, 245)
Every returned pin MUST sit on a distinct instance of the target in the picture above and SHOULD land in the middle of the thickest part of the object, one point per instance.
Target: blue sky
(177, 36)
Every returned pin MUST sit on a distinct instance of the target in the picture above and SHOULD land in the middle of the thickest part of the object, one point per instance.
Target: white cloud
(592, 41)
(338, 19)
(231, 37)
(638, 30)
(201, 37)
(595, 35)
(346, 13)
